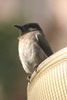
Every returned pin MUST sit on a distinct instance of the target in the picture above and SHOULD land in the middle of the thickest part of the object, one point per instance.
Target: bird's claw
(28, 78)
(35, 68)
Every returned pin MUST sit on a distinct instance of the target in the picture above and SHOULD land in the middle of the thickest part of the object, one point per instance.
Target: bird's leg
(35, 68)
(28, 78)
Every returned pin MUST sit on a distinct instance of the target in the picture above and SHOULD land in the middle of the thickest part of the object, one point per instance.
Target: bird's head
(28, 28)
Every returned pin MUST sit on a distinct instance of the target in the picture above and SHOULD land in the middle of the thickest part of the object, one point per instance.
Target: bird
(33, 47)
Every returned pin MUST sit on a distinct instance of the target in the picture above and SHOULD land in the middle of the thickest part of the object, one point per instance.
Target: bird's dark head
(28, 28)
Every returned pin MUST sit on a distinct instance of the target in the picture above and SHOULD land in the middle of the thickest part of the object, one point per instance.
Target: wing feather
(44, 44)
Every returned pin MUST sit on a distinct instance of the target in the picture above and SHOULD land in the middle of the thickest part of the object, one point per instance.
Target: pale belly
(31, 55)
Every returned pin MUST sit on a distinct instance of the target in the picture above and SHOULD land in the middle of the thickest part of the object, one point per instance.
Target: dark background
(52, 17)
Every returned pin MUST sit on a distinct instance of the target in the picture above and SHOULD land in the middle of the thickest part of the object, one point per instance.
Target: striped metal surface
(50, 81)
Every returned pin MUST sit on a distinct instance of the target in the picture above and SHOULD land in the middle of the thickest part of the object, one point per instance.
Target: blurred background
(52, 17)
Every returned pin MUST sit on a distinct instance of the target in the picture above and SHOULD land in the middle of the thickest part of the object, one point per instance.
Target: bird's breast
(30, 54)
(27, 49)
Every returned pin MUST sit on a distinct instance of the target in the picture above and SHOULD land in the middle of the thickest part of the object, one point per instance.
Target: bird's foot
(28, 78)
(35, 68)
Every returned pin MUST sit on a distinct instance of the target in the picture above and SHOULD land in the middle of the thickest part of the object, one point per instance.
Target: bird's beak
(19, 27)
